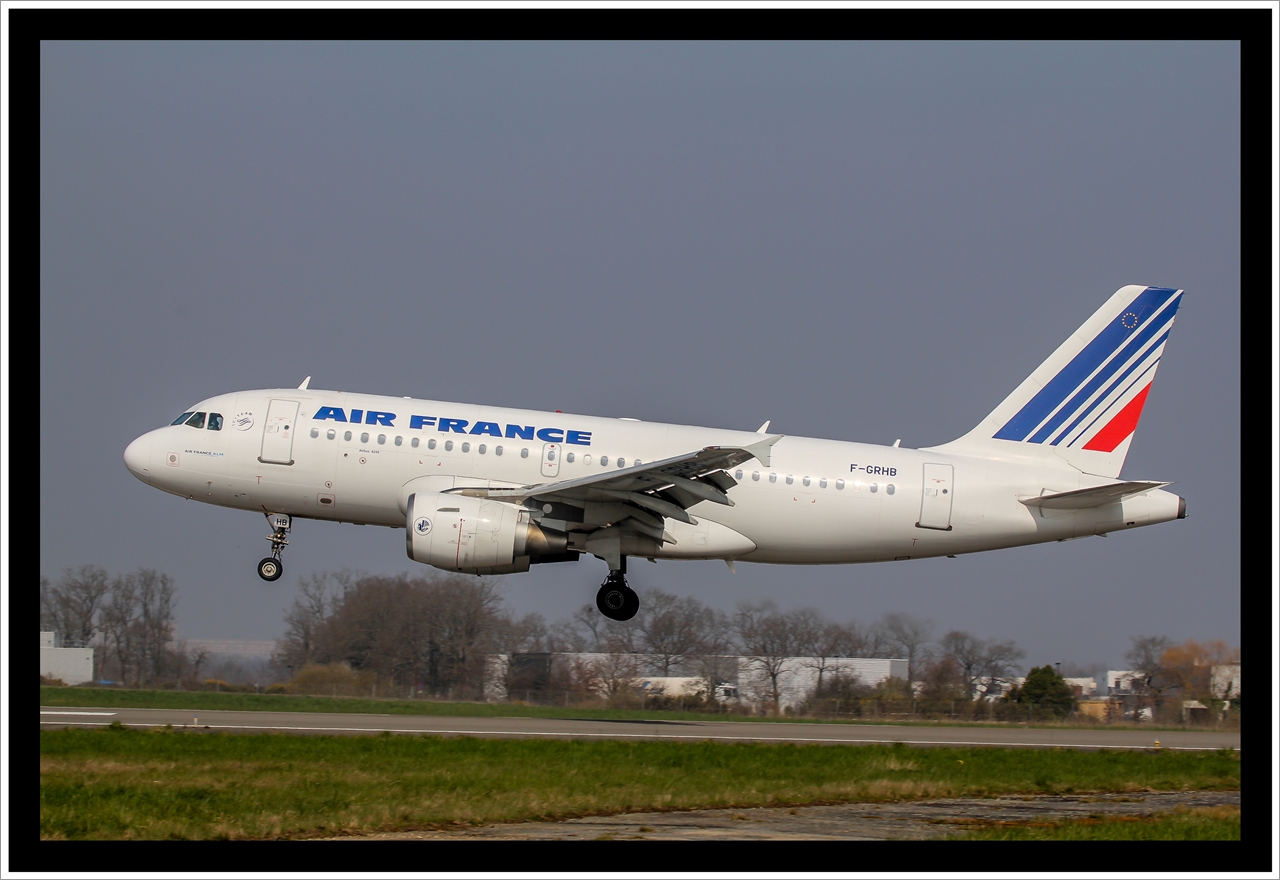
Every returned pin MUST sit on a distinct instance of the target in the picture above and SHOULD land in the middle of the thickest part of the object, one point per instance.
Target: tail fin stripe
(1079, 437)
(1121, 426)
(1070, 377)
(1088, 411)
(1161, 322)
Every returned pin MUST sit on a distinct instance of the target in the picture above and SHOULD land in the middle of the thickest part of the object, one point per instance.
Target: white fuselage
(817, 501)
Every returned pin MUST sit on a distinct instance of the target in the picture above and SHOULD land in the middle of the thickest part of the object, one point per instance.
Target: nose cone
(137, 458)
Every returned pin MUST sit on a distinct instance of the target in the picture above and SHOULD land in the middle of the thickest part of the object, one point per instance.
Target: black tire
(611, 600)
(631, 606)
(270, 569)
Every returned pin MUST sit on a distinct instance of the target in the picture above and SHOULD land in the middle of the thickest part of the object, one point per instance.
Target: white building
(1121, 681)
(1224, 681)
(798, 677)
(71, 665)
(1088, 686)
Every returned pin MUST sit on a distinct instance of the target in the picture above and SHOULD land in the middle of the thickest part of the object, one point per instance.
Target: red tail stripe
(1114, 431)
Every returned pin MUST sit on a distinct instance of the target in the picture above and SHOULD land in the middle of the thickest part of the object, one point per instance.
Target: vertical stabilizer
(1083, 403)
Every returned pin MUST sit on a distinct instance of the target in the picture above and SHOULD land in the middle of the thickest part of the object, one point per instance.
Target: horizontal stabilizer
(1097, 496)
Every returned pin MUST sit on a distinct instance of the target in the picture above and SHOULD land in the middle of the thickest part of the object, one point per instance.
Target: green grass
(82, 697)
(1212, 823)
(117, 783)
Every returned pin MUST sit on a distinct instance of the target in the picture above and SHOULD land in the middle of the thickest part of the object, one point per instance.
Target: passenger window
(414, 442)
(364, 438)
(755, 475)
(636, 463)
(482, 449)
(330, 434)
(346, 435)
(431, 444)
(822, 484)
(806, 481)
(196, 421)
(382, 439)
(399, 441)
(551, 455)
(889, 488)
(737, 475)
(569, 457)
(524, 453)
(839, 484)
(215, 421)
(604, 461)
(497, 450)
(448, 446)
(622, 462)
(586, 459)
(790, 479)
(874, 488)
(466, 447)
(182, 418)
(773, 478)
(315, 432)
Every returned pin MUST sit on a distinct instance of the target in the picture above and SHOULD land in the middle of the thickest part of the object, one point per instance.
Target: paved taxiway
(572, 728)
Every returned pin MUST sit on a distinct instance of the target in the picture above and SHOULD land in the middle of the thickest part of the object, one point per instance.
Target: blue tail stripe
(1073, 374)
(1160, 322)
(1104, 395)
(1089, 427)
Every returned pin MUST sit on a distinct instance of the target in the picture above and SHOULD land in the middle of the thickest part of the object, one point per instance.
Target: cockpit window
(196, 421)
(215, 421)
(182, 418)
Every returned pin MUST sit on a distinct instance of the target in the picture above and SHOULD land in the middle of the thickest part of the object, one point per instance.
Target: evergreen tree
(1047, 691)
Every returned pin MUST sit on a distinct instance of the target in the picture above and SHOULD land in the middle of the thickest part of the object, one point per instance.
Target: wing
(637, 498)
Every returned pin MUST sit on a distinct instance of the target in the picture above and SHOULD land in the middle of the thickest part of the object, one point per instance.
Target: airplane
(488, 490)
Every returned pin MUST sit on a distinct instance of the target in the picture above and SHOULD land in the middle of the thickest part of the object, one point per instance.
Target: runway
(317, 723)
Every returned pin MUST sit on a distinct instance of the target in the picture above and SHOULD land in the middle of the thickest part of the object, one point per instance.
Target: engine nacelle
(475, 535)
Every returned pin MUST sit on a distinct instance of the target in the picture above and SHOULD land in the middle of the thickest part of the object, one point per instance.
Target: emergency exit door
(551, 459)
(935, 499)
(277, 433)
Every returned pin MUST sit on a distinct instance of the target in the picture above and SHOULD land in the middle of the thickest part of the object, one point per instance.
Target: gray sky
(856, 241)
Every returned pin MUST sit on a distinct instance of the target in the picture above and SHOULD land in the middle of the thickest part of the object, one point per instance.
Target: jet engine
(477, 536)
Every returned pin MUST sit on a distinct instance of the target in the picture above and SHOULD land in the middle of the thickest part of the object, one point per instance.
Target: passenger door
(935, 500)
(277, 433)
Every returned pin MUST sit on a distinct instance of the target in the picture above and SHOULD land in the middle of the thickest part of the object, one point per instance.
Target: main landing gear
(270, 568)
(616, 600)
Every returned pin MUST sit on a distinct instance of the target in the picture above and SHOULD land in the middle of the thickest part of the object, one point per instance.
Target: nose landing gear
(616, 600)
(270, 568)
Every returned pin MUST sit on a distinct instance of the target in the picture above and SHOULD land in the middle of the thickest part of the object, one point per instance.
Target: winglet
(763, 428)
(762, 449)
(305, 383)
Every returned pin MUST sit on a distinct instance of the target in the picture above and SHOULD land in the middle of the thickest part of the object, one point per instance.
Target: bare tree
(767, 638)
(71, 606)
(157, 598)
(872, 640)
(300, 644)
(909, 635)
(119, 630)
(1145, 658)
(819, 641)
(670, 628)
(714, 660)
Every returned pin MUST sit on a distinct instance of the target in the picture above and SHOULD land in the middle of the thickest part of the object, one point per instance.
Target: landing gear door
(277, 433)
(935, 501)
(551, 459)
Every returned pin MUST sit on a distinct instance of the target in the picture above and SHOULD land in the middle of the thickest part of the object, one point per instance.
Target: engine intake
(476, 536)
